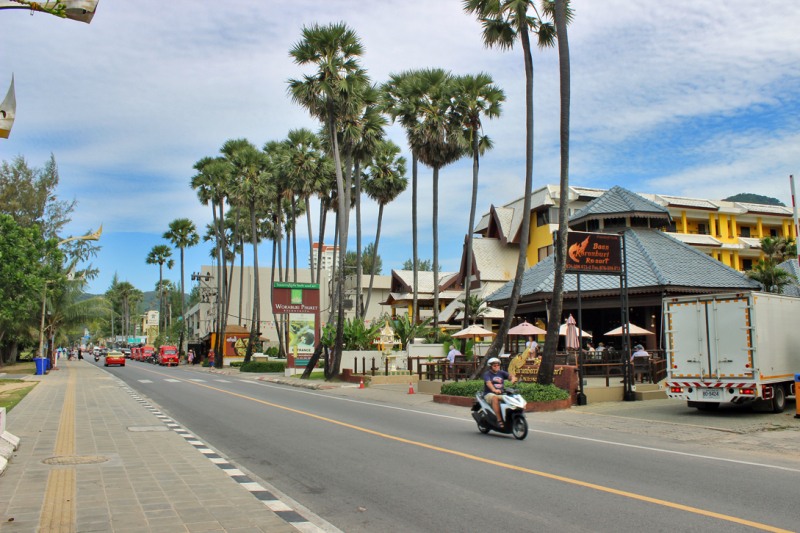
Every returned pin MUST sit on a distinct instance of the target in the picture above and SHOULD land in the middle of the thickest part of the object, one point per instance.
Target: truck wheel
(708, 406)
(778, 399)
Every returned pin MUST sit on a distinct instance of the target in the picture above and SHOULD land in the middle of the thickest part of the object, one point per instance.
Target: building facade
(327, 256)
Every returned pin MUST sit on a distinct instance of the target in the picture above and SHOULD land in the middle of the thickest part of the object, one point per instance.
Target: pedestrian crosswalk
(173, 380)
(145, 381)
(199, 380)
(221, 381)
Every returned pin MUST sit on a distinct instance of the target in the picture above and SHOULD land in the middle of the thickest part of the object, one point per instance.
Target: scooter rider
(493, 381)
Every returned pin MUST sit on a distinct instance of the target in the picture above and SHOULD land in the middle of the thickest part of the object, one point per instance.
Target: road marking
(173, 380)
(145, 381)
(221, 381)
(539, 473)
(199, 380)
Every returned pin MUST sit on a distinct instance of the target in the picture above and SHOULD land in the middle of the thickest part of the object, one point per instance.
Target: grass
(317, 375)
(20, 368)
(11, 398)
(4, 381)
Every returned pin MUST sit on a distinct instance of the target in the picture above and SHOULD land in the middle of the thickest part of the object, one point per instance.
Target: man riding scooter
(493, 380)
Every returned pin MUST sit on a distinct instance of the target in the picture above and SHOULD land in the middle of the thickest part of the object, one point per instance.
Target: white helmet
(492, 361)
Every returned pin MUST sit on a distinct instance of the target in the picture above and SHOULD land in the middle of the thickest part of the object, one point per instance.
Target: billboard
(594, 253)
(295, 298)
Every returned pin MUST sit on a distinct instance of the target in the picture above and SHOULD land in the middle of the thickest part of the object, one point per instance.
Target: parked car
(115, 357)
(134, 353)
(168, 355)
(126, 352)
(148, 354)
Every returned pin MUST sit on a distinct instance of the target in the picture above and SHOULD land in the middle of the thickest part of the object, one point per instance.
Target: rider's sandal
(501, 425)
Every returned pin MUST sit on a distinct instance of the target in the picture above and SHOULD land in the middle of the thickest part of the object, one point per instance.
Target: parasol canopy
(572, 341)
(635, 330)
(526, 328)
(563, 331)
(472, 332)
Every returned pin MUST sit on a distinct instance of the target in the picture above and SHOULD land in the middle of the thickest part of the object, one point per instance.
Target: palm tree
(385, 183)
(440, 144)
(160, 255)
(767, 272)
(335, 50)
(182, 234)
(476, 96)
(504, 23)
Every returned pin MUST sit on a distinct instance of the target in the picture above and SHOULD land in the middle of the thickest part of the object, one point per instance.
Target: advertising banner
(302, 334)
(301, 301)
(594, 253)
(295, 298)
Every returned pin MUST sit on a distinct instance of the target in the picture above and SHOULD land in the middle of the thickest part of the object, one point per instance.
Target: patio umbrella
(526, 328)
(635, 330)
(472, 332)
(563, 331)
(572, 342)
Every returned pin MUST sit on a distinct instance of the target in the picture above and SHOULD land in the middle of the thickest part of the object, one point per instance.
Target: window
(744, 231)
(747, 264)
(639, 222)
(545, 251)
(701, 229)
(592, 225)
(773, 233)
(672, 228)
(542, 218)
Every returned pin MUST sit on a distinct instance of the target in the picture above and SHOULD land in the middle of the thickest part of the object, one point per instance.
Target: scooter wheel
(519, 428)
(483, 428)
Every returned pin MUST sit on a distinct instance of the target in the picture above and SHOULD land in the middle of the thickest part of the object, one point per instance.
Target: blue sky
(685, 98)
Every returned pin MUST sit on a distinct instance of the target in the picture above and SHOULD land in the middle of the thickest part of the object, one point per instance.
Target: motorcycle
(512, 409)
(96, 358)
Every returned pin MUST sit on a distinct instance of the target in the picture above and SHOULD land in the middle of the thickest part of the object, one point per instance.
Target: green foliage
(356, 335)
(532, 392)
(272, 351)
(236, 364)
(405, 330)
(205, 363)
(366, 261)
(752, 198)
(263, 366)
(468, 350)
(423, 266)
(766, 271)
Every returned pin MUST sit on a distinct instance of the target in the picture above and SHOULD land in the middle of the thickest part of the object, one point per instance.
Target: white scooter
(512, 409)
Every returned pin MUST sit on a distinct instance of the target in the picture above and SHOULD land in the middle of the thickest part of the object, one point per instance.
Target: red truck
(146, 354)
(168, 356)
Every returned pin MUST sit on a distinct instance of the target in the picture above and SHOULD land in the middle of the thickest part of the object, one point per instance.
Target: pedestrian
(211, 358)
(451, 357)
(191, 356)
(80, 355)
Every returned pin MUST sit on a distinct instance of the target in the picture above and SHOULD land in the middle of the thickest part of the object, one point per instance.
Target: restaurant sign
(593, 253)
(295, 298)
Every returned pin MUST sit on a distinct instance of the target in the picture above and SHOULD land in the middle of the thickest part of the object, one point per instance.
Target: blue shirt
(497, 380)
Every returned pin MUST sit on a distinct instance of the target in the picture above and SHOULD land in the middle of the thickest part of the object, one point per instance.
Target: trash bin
(39, 365)
(46, 364)
(796, 391)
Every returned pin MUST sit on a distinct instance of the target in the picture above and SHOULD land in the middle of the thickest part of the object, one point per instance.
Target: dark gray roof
(655, 260)
(618, 202)
(793, 268)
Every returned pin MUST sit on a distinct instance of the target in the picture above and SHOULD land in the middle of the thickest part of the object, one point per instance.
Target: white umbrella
(635, 330)
(526, 328)
(563, 331)
(472, 332)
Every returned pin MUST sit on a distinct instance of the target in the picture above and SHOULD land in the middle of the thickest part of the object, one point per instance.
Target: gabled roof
(424, 280)
(793, 268)
(455, 307)
(766, 209)
(491, 261)
(619, 202)
(655, 261)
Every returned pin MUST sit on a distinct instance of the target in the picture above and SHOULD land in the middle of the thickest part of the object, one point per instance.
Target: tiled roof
(455, 307)
(678, 201)
(697, 240)
(495, 262)
(763, 208)
(618, 201)
(655, 259)
(793, 268)
(424, 279)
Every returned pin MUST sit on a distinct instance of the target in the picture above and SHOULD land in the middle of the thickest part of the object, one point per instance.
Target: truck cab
(168, 356)
(148, 354)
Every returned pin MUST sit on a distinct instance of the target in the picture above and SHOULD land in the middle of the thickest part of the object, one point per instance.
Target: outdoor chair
(641, 368)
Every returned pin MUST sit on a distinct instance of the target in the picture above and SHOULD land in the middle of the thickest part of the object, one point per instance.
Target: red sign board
(593, 253)
(295, 298)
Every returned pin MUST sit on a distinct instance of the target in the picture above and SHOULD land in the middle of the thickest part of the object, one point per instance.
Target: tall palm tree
(335, 50)
(182, 234)
(441, 143)
(475, 97)
(385, 183)
(505, 22)
(161, 255)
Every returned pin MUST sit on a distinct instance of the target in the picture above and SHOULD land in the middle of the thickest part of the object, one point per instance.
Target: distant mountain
(751, 198)
(150, 300)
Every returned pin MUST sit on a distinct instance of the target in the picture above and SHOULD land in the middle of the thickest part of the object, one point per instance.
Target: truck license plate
(712, 394)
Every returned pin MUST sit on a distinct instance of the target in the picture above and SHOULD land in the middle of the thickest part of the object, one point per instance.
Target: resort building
(327, 256)
(726, 231)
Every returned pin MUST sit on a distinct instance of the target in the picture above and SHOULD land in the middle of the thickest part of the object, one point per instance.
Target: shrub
(236, 364)
(272, 351)
(263, 366)
(205, 363)
(532, 392)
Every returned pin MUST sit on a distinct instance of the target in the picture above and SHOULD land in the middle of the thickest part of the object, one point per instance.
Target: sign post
(600, 254)
(302, 301)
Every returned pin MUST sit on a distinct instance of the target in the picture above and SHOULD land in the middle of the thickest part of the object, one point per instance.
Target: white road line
(173, 380)
(145, 381)
(198, 380)
(221, 381)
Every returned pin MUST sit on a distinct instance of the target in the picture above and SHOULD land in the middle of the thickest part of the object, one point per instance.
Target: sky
(684, 98)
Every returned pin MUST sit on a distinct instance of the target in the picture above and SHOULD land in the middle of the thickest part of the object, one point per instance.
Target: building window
(672, 228)
(701, 229)
(545, 251)
(773, 233)
(592, 225)
(744, 231)
(747, 264)
(639, 222)
(542, 218)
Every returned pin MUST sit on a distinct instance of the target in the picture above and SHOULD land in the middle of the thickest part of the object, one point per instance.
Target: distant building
(327, 256)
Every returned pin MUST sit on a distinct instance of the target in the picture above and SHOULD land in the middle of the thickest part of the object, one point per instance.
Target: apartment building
(327, 256)
(726, 231)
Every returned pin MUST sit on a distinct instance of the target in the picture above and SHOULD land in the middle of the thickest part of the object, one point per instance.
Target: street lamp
(92, 237)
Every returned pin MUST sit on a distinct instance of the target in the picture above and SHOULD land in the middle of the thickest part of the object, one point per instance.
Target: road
(418, 470)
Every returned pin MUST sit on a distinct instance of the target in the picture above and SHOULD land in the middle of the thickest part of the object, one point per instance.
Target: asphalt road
(417, 470)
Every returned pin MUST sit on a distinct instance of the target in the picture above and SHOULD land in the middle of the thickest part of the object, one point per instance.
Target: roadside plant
(406, 330)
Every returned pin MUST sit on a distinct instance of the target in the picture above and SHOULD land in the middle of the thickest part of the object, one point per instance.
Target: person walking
(191, 357)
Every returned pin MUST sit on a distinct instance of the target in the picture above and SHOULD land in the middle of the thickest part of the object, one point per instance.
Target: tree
(182, 234)
(767, 272)
(422, 266)
(505, 22)
(385, 183)
(335, 50)
(160, 255)
(367, 256)
(475, 96)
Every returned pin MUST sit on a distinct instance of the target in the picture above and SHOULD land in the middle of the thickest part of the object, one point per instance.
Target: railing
(440, 369)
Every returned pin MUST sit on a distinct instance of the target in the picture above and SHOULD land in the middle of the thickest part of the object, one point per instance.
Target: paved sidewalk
(94, 457)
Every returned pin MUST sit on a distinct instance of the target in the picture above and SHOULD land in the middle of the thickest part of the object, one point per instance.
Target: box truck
(732, 348)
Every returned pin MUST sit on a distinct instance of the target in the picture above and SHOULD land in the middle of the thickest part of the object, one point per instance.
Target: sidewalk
(94, 457)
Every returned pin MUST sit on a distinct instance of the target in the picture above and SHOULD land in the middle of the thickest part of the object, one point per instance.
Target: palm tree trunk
(359, 295)
(323, 215)
(294, 235)
(256, 292)
(272, 297)
(310, 239)
(183, 320)
(436, 250)
(415, 257)
(553, 324)
(220, 320)
(472, 208)
(497, 344)
(375, 254)
(160, 295)
(288, 243)
(241, 276)
(332, 371)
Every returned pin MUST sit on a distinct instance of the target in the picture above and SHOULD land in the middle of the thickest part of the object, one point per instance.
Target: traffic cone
(361, 385)
(411, 388)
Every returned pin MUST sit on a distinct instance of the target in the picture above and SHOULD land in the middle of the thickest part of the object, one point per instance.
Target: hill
(752, 198)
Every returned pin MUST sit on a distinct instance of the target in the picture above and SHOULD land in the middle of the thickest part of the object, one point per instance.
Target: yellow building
(726, 231)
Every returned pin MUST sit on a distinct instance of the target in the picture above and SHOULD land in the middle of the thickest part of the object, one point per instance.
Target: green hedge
(532, 392)
(236, 364)
(205, 363)
(263, 366)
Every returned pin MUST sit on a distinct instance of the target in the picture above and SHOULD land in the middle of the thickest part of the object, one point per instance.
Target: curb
(8, 442)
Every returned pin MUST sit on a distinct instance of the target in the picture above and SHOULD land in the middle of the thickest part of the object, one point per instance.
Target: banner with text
(594, 253)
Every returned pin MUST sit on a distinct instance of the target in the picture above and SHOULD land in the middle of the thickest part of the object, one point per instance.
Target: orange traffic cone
(361, 385)
(411, 388)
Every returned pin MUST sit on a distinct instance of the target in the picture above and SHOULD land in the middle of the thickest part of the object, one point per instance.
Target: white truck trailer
(733, 348)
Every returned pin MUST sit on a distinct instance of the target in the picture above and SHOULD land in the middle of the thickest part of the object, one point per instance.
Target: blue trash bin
(46, 364)
(39, 365)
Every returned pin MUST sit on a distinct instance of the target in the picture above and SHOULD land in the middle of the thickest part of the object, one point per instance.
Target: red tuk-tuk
(168, 355)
